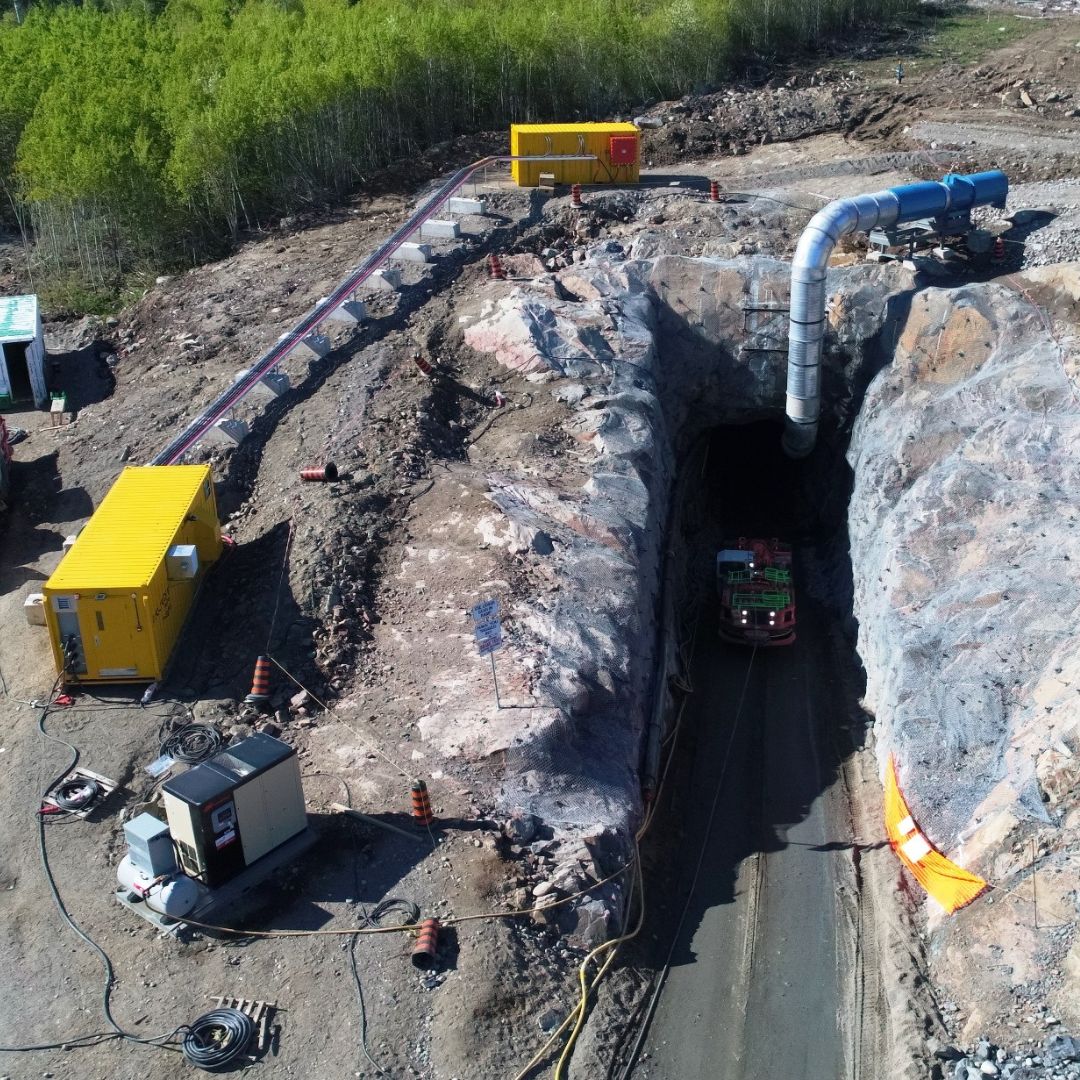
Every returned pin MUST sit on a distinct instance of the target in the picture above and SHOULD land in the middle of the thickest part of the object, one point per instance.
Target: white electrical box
(182, 562)
(34, 609)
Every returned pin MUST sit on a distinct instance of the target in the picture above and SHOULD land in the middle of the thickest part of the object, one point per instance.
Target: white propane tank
(174, 897)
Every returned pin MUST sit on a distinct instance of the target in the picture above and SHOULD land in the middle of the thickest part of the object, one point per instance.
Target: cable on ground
(192, 743)
(337, 719)
(117, 1031)
(410, 915)
(277, 591)
(217, 1038)
(577, 1014)
(76, 794)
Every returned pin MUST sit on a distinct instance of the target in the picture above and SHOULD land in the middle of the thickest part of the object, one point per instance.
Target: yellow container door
(116, 638)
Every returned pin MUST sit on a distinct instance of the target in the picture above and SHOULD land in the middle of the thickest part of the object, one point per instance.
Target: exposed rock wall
(965, 538)
(966, 556)
(649, 355)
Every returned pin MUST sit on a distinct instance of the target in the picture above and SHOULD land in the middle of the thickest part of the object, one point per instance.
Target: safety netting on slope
(950, 885)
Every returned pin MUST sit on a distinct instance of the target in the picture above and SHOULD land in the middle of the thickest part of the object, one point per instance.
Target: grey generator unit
(228, 812)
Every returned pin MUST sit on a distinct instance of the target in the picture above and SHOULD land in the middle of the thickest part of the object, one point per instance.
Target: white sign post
(487, 628)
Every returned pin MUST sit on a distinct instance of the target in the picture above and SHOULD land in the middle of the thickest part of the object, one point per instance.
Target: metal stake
(494, 679)
(1034, 889)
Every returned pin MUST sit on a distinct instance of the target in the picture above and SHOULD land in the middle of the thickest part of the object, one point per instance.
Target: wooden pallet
(79, 773)
(262, 1012)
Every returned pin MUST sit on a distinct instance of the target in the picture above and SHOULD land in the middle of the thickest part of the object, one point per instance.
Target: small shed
(605, 153)
(117, 602)
(22, 352)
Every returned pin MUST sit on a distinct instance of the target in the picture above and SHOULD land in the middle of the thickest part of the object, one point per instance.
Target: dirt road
(754, 985)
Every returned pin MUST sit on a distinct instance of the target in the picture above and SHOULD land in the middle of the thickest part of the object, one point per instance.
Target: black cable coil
(218, 1038)
(76, 794)
(192, 743)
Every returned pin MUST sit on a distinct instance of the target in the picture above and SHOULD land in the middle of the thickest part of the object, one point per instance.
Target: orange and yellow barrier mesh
(950, 885)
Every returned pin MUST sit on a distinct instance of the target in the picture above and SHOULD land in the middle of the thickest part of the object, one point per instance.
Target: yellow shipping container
(117, 602)
(616, 149)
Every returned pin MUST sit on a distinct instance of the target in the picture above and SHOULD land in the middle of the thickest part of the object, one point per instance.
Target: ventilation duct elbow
(894, 206)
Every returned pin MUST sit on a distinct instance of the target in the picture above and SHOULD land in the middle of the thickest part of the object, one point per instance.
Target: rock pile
(1057, 1059)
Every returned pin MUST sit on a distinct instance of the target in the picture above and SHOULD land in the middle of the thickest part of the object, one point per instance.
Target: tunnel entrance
(748, 854)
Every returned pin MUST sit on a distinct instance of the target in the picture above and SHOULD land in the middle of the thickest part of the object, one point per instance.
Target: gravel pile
(1057, 1059)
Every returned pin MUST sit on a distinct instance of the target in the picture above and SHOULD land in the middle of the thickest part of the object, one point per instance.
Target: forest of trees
(147, 133)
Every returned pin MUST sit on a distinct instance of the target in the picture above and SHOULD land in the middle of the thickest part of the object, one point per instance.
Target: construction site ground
(360, 590)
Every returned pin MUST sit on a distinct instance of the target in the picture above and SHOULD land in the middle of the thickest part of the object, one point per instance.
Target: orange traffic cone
(423, 954)
(998, 255)
(421, 805)
(326, 472)
(575, 197)
(495, 268)
(714, 191)
(260, 682)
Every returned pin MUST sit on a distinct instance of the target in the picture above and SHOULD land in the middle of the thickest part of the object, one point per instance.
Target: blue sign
(489, 609)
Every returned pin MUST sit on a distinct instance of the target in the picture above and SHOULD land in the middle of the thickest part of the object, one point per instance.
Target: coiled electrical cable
(76, 794)
(217, 1038)
(193, 743)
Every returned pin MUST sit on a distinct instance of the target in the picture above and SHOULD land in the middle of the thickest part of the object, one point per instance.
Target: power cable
(649, 1012)
(410, 914)
(117, 1031)
(192, 743)
(277, 591)
(76, 794)
(217, 1038)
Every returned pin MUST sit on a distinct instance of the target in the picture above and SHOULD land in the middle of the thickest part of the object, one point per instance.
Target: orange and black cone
(495, 268)
(326, 472)
(421, 805)
(423, 954)
(423, 364)
(714, 191)
(575, 197)
(260, 683)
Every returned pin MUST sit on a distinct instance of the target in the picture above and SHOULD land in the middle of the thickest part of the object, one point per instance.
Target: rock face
(965, 541)
(647, 356)
(963, 533)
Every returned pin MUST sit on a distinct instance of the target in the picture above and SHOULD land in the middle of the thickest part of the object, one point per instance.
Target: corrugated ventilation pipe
(947, 201)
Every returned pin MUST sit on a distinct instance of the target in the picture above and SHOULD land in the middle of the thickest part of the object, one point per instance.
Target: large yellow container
(615, 147)
(118, 600)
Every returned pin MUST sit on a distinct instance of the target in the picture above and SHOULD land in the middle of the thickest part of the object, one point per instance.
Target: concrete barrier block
(457, 205)
(409, 252)
(227, 432)
(385, 280)
(272, 385)
(351, 311)
(440, 230)
(317, 345)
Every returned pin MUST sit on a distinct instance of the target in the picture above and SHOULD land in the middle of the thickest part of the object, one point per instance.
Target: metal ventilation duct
(895, 206)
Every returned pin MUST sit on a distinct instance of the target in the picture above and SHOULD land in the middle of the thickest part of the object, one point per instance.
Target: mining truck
(757, 597)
